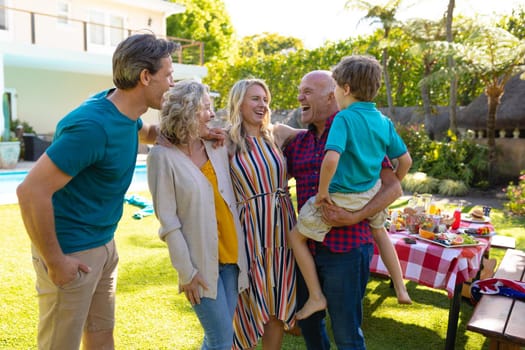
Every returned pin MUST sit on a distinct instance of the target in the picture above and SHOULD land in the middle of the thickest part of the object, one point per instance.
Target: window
(116, 32)
(63, 11)
(105, 29)
(96, 27)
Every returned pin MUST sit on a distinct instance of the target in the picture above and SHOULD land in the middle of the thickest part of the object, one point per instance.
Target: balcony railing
(53, 31)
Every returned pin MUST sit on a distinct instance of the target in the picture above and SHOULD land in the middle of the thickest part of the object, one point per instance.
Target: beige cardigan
(184, 205)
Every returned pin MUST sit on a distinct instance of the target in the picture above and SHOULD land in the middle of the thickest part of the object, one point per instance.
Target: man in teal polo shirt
(72, 199)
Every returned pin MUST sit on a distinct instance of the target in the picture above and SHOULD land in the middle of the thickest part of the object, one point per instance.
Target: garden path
(493, 198)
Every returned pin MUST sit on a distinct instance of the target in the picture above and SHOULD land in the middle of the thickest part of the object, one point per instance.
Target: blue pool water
(9, 180)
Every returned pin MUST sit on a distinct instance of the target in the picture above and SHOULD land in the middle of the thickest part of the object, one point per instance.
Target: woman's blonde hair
(178, 115)
(237, 131)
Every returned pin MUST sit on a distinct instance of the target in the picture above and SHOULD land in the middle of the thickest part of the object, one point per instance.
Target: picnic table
(436, 266)
(501, 318)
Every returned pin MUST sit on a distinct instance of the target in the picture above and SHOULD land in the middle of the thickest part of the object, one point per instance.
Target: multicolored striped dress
(267, 216)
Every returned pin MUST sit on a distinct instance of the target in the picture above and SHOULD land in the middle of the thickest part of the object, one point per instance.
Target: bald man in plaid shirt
(343, 258)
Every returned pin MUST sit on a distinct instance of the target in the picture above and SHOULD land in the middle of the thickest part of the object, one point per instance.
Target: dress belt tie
(276, 194)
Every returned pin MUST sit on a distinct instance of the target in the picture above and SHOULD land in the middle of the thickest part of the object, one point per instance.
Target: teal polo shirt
(96, 145)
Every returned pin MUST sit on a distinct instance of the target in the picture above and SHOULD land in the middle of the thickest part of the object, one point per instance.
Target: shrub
(452, 188)
(453, 159)
(26, 126)
(516, 196)
(420, 183)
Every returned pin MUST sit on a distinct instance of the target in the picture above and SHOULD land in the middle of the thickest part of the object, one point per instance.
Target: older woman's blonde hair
(237, 132)
(178, 115)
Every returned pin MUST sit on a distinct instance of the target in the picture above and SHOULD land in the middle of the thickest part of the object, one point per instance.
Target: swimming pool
(9, 180)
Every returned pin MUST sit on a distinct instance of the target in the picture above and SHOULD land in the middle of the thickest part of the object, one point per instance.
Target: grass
(152, 315)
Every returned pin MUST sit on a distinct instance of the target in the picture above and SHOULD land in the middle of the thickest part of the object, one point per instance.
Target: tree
(494, 56)
(282, 72)
(452, 106)
(268, 44)
(424, 33)
(514, 23)
(386, 15)
(206, 21)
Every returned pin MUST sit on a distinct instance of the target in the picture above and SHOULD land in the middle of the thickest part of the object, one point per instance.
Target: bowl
(426, 234)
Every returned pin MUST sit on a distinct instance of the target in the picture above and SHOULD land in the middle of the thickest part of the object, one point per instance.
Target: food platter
(470, 218)
(446, 243)
(473, 234)
(483, 236)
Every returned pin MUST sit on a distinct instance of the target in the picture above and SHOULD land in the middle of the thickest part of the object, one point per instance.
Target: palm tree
(494, 56)
(425, 34)
(386, 16)
(453, 78)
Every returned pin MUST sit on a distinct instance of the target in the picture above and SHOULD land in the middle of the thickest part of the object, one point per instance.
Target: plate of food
(449, 239)
(475, 216)
(480, 232)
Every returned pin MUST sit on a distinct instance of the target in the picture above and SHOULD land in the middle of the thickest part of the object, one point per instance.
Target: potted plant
(9, 151)
(9, 147)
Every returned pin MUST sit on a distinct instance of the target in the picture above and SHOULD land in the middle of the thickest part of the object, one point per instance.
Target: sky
(315, 22)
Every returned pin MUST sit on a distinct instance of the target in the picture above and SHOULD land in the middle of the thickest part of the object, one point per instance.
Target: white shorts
(311, 225)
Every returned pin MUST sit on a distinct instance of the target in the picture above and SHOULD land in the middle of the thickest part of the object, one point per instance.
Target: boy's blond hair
(362, 74)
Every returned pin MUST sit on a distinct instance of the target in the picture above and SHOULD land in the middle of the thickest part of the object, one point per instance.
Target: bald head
(322, 79)
(316, 96)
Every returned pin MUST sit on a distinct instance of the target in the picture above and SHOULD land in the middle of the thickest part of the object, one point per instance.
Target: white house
(56, 53)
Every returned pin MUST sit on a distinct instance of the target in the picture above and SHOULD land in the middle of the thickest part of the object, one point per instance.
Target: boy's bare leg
(272, 338)
(391, 261)
(316, 299)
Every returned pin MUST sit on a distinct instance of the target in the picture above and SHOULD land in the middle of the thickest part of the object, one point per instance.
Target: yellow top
(225, 226)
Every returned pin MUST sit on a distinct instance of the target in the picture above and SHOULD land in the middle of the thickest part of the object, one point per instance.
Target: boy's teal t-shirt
(362, 136)
(96, 145)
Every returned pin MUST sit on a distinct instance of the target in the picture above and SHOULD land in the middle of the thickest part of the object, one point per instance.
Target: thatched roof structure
(509, 115)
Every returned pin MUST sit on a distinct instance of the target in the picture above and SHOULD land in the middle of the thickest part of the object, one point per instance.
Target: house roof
(510, 113)
(167, 7)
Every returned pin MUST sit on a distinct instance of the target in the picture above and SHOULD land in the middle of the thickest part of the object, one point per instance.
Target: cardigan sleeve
(180, 257)
(161, 184)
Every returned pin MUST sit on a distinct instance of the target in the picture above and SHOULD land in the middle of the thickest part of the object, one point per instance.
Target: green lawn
(152, 315)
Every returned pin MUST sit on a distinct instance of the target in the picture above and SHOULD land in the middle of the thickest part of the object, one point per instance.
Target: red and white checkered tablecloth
(432, 265)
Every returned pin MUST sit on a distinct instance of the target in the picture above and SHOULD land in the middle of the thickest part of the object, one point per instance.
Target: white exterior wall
(56, 74)
(43, 102)
(50, 33)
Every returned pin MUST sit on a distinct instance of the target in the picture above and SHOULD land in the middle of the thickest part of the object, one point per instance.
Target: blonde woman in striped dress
(267, 216)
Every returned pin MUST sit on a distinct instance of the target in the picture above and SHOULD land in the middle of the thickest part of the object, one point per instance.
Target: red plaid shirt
(304, 155)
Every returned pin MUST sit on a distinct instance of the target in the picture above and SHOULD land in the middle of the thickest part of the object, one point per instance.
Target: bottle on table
(457, 219)
(393, 221)
(427, 200)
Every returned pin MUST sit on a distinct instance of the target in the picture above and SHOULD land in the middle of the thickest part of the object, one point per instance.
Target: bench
(500, 318)
(506, 242)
